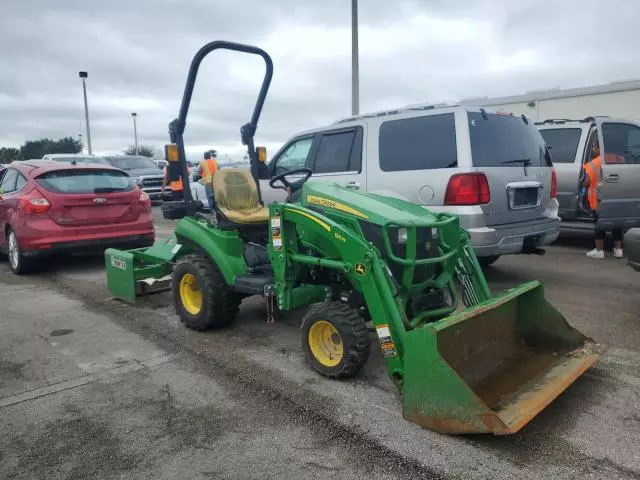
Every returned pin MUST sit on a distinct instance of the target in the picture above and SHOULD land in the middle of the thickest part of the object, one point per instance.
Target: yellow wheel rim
(190, 294)
(325, 343)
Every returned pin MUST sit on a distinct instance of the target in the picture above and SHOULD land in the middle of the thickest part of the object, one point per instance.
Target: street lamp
(355, 87)
(135, 130)
(83, 76)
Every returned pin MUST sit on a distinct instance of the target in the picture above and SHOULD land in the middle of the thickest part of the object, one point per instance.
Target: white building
(618, 99)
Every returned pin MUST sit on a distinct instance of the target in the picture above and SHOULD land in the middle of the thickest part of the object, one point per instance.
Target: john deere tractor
(464, 360)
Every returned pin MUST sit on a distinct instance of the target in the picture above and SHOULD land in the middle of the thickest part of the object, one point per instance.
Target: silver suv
(492, 170)
(570, 143)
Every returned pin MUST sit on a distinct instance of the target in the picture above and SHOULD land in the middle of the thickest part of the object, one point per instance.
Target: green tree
(9, 154)
(43, 146)
(143, 150)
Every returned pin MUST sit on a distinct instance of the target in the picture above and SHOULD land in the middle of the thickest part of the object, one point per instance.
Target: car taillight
(35, 206)
(144, 198)
(554, 183)
(467, 189)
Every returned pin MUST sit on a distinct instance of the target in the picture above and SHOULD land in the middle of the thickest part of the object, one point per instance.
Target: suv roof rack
(559, 121)
(395, 111)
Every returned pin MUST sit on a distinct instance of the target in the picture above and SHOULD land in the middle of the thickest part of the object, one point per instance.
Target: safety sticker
(118, 263)
(384, 334)
(360, 269)
(386, 342)
(176, 249)
(388, 350)
(276, 233)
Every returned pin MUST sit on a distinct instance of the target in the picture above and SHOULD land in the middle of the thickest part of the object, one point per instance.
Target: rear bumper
(632, 248)
(513, 238)
(97, 245)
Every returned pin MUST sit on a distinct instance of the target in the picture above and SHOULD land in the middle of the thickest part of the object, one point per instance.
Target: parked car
(569, 142)
(160, 163)
(48, 208)
(143, 170)
(74, 158)
(492, 170)
(632, 248)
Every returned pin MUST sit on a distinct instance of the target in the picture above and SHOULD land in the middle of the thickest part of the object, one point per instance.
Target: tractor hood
(376, 209)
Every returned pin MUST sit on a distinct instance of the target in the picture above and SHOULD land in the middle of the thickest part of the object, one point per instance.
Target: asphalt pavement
(92, 387)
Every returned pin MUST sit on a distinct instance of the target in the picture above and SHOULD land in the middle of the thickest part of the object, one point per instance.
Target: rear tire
(488, 261)
(18, 263)
(201, 296)
(335, 340)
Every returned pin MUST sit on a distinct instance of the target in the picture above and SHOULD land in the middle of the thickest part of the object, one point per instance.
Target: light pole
(83, 76)
(355, 86)
(135, 130)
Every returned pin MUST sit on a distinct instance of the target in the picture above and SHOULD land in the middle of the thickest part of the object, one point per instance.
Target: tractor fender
(225, 248)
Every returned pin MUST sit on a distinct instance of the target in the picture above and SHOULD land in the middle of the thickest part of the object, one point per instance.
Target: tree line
(33, 149)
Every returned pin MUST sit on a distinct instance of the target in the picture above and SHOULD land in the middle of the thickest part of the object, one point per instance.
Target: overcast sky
(137, 53)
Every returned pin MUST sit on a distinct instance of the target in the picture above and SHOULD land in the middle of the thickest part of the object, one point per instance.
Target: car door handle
(354, 185)
(614, 177)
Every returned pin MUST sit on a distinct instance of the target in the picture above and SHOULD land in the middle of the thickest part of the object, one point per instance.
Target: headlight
(402, 235)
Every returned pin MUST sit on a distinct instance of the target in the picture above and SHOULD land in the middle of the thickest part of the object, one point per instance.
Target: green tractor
(464, 360)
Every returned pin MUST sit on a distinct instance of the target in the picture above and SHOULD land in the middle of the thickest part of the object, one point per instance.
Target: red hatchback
(48, 208)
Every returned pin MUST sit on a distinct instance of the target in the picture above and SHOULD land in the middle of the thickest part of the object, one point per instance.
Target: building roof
(535, 95)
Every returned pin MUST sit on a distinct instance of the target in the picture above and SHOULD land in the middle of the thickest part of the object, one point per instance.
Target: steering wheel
(291, 187)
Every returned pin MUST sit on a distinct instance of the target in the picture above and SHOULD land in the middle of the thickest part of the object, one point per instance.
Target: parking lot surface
(92, 387)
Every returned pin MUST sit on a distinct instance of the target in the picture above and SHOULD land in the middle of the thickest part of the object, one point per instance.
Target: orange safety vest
(208, 168)
(175, 185)
(593, 170)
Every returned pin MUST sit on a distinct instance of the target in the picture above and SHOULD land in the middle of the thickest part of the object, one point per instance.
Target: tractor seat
(236, 196)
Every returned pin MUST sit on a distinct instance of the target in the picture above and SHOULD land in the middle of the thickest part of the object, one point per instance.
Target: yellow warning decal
(311, 217)
(325, 202)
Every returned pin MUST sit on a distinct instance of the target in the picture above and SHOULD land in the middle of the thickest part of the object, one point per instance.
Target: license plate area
(525, 197)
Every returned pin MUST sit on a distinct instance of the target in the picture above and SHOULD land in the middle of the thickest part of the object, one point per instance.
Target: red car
(48, 208)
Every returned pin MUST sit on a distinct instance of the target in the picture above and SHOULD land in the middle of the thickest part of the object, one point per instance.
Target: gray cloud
(138, 53)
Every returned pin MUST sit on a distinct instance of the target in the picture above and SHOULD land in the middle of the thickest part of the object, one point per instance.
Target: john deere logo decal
(360, 269)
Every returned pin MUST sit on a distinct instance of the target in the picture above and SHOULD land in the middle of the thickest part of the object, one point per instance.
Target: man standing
(593, 172)
(206, 171)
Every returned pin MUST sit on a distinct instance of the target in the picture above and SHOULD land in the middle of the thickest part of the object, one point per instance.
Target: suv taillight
(35, 206)
(467, 189)
(554, 183)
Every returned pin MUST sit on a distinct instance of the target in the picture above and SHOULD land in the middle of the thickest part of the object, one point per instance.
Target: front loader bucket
(494, 367)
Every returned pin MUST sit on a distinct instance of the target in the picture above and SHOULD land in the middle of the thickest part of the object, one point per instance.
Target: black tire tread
(354, 333)
(219, 304)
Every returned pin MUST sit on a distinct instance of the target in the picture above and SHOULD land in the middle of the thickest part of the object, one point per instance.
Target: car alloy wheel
(14, 252)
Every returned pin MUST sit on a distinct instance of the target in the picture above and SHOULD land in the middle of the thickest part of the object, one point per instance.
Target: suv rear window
(562, 143)
(418, 143)
(505, 141)
(85, 181)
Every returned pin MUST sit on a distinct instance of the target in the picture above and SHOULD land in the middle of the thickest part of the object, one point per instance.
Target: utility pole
(83, 76)
(135, 130)
(355, 81)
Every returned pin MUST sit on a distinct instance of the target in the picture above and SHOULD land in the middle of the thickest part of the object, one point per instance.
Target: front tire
(18, 263)
(335, 340)
(201, 296)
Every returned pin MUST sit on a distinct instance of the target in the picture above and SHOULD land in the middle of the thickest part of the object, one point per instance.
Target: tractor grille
(427, 247)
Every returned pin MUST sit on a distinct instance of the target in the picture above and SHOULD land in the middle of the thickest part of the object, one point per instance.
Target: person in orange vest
(206, 171)
(593, 173)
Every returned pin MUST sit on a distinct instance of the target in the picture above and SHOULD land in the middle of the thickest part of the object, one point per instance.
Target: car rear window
(505, 141)
(418, 143)
(562, 143)
(85, 181)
